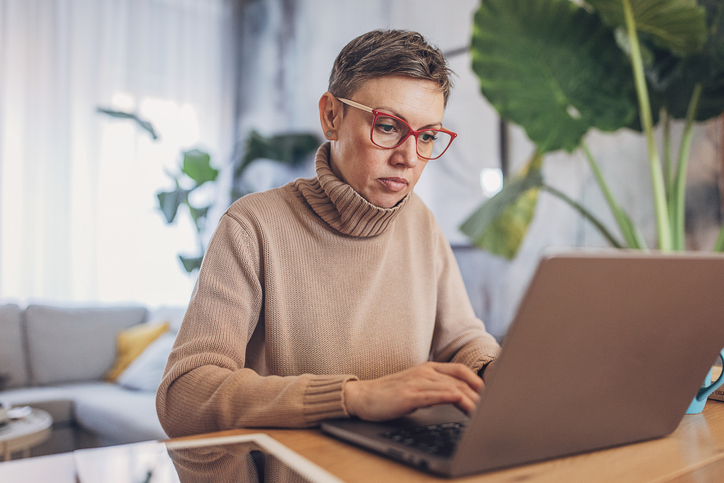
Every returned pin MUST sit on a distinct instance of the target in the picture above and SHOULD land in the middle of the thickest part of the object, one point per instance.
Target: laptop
(606, 348)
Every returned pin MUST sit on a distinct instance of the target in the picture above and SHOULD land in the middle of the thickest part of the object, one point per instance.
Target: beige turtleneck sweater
(307, 286)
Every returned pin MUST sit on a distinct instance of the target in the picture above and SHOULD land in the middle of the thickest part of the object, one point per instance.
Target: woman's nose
(407, 152)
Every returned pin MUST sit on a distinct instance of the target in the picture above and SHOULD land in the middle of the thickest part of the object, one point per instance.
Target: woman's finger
(461, 372)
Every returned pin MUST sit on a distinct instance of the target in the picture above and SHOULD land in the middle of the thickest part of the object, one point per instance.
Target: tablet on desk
(243, 458)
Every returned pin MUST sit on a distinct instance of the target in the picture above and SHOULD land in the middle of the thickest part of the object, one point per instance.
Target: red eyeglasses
(389, 131)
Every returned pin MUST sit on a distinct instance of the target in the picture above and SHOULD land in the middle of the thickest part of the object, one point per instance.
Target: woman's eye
(428, 137)
(387, 125)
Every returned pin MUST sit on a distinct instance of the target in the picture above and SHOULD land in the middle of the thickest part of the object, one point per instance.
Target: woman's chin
(386, 200)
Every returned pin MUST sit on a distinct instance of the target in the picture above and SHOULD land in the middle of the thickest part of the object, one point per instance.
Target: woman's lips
(393, 184)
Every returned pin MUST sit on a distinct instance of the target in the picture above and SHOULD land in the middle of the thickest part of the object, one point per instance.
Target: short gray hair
(388, 52)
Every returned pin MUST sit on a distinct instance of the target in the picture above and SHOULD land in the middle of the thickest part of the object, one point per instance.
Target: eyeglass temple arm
(354, 104)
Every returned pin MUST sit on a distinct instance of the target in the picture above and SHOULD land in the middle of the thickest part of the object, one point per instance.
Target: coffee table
(23, 434)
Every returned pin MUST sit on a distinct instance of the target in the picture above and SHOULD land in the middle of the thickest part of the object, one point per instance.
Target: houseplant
(559, 69)
(196, 171)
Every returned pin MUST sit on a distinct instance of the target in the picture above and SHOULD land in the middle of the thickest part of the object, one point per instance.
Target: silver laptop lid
(607, 348)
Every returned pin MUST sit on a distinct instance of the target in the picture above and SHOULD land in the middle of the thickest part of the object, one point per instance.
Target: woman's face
(382, 176)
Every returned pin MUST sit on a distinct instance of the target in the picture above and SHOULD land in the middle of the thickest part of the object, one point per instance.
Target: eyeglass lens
(387, 132)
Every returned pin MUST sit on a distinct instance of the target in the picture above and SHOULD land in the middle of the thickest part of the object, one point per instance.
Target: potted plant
(559, 69)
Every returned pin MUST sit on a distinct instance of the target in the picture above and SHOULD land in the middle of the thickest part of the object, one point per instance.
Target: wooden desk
(692, 453)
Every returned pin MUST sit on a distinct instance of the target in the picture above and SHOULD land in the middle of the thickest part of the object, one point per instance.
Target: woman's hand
(398, 394)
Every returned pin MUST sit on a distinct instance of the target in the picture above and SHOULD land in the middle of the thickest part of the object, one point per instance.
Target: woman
(339, 295)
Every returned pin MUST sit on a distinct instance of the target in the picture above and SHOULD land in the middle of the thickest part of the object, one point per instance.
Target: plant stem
(624, 223)
(678, 196)
(668, 172)
(586, 214)
(663, 224)
(719, 244)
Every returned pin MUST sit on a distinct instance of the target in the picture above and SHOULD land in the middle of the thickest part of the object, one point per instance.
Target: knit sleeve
(206, 386)
(459, 335)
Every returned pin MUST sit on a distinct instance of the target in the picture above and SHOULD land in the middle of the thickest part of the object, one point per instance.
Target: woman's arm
(207, 385)
(459, 335)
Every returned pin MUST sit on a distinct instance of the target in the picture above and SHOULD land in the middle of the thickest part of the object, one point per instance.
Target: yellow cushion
(131, 342)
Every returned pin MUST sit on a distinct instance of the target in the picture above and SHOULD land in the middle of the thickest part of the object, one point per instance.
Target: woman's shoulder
(261, 204)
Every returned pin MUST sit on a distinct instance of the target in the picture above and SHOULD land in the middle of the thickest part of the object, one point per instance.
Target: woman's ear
(329, 115)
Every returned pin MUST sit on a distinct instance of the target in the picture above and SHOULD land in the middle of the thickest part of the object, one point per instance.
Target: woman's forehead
(404, 96)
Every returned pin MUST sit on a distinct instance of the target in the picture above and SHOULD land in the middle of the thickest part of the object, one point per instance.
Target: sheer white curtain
(78, 216)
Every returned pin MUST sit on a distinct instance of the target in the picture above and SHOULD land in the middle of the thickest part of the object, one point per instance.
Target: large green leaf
(676, 25)
(553, 68)
(500, 224)
(197, 166)
(672, 78)
(289, 149)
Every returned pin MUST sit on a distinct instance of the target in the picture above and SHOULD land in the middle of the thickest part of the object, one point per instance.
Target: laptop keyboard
(437, 439)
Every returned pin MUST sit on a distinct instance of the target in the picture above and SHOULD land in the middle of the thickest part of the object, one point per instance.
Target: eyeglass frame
(412, 132)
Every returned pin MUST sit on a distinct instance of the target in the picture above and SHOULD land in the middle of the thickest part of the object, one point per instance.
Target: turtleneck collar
(341, 207)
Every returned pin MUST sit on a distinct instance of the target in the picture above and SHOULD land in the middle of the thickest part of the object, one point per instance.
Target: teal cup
(697, 405)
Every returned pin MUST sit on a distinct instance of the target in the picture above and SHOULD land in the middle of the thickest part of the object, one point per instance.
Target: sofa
(58, 359)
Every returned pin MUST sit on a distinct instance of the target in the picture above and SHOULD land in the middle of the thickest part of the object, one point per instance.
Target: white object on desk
(23, 434)
(131, 462)
(305, 469)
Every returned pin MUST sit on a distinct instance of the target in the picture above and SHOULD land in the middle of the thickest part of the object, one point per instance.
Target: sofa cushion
(173, 314)
(146, 371)
(118, 415)
(130, 343)
(75, 344)
(13, 369)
